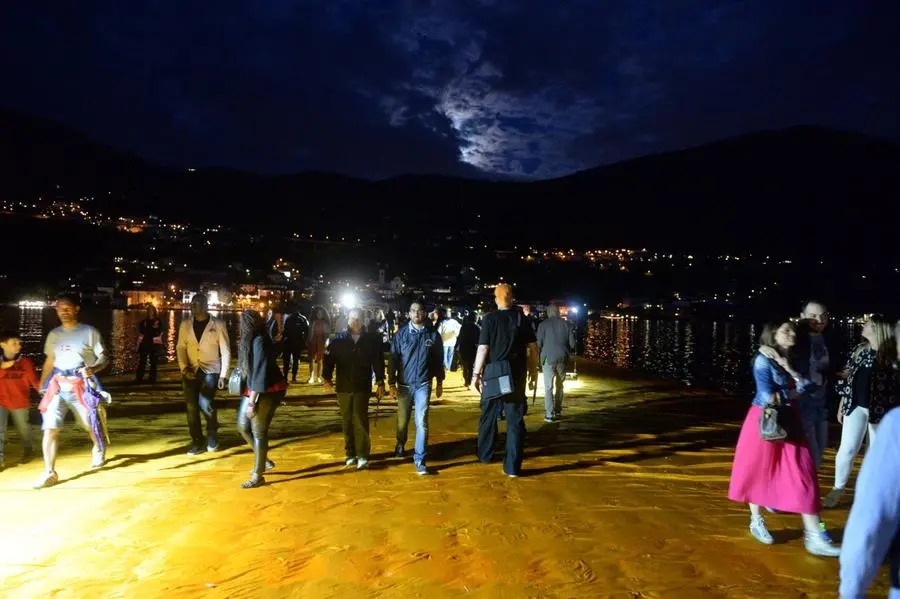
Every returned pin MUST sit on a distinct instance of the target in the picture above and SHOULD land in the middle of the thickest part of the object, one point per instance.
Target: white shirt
(449, 330)
(73, 348)
(210, 354)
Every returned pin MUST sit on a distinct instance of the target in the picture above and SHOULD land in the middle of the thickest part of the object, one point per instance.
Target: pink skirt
(775, 474)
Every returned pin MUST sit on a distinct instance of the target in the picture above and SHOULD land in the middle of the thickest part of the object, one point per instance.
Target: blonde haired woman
(869, 388)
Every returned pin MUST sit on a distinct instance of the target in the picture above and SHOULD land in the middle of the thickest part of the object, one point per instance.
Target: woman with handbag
(772, 463)
(868, 388)
(263, 392)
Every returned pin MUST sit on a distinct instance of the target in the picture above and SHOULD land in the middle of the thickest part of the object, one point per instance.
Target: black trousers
(200, 395)
(515, 432)
(291, 360)
(147, 354)
(255, 431)
(468, 365)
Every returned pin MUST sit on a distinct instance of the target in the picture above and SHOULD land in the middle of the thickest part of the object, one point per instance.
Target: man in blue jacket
(417, 356)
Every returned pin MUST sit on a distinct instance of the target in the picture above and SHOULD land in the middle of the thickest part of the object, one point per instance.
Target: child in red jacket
(17, 375)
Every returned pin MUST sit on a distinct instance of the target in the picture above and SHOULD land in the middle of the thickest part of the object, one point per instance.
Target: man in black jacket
(357, 355)
(819, 359)
(417, 357)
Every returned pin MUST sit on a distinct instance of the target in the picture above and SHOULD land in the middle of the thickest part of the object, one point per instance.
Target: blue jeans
(418, 396)
(814, 417)
(20, 419)
(449, 350)
(199, 395)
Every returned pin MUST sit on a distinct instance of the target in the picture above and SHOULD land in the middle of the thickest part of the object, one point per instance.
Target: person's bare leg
(50, 445)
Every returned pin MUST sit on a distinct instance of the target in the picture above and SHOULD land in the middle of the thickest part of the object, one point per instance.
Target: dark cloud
(458, 87)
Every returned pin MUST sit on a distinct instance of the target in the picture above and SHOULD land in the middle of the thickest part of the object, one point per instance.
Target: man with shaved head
(507, 351)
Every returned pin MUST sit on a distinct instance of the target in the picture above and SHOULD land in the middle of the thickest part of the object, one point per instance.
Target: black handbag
(236, 382)
(772, 421)
(497, 380)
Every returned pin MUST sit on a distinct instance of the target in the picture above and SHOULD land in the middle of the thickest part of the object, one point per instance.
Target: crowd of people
(785, 433)
(779, 452)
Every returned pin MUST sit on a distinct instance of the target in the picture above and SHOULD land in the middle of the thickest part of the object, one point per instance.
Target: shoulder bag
(771, 425)
(497, 379)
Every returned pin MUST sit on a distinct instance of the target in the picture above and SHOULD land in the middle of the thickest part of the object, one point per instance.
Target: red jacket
(14, 384)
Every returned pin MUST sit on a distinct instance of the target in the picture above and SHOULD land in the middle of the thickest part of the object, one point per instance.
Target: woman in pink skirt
(780, 475)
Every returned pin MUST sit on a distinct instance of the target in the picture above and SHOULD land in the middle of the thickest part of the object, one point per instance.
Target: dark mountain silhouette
(805, 189)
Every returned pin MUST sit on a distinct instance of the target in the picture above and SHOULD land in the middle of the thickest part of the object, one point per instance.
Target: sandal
(253, 483)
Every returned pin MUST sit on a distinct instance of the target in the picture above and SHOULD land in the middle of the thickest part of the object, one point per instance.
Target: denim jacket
(770, 377)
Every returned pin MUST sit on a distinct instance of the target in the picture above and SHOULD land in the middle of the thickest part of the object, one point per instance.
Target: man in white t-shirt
(449, 329)
(75, 353)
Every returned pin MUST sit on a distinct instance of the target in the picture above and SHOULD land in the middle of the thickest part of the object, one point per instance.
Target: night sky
(496, 88)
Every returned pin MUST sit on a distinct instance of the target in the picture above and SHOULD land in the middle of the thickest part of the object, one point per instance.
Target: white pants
(856, 424)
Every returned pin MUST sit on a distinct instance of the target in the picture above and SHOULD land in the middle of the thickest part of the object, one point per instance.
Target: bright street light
(348, 300)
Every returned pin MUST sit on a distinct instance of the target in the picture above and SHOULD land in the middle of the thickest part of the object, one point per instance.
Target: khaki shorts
(57, 408)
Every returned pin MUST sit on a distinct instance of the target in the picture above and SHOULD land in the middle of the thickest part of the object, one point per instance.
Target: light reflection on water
(118, 327)
(712, 355)
(702, 354)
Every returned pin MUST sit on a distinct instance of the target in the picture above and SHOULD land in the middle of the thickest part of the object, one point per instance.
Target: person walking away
(873, 528)
(17, 377)
(869, 389)
(449, 329)
(204, 354)
(467, 345)
(149, 343)
(779, 474)
(263, 393)
(556, 343)
(296, 328)
(355, 355)
(75, 354)
(416, 358)
(507, 345)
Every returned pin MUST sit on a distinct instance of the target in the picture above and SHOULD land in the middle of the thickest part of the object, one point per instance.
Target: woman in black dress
(264, 390)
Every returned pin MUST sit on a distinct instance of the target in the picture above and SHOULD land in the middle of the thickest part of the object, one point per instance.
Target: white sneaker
(350, 461)
(48, 479)
(362, 463)
(833, 498)
(818, 543)
(760, 531)
(98, 458)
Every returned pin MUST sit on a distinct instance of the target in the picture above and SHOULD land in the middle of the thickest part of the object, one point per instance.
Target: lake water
(118, 327)
(712, 355)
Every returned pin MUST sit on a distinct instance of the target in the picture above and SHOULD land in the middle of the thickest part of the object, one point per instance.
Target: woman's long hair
(885, 338)
(767, 337)
(252, 324)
